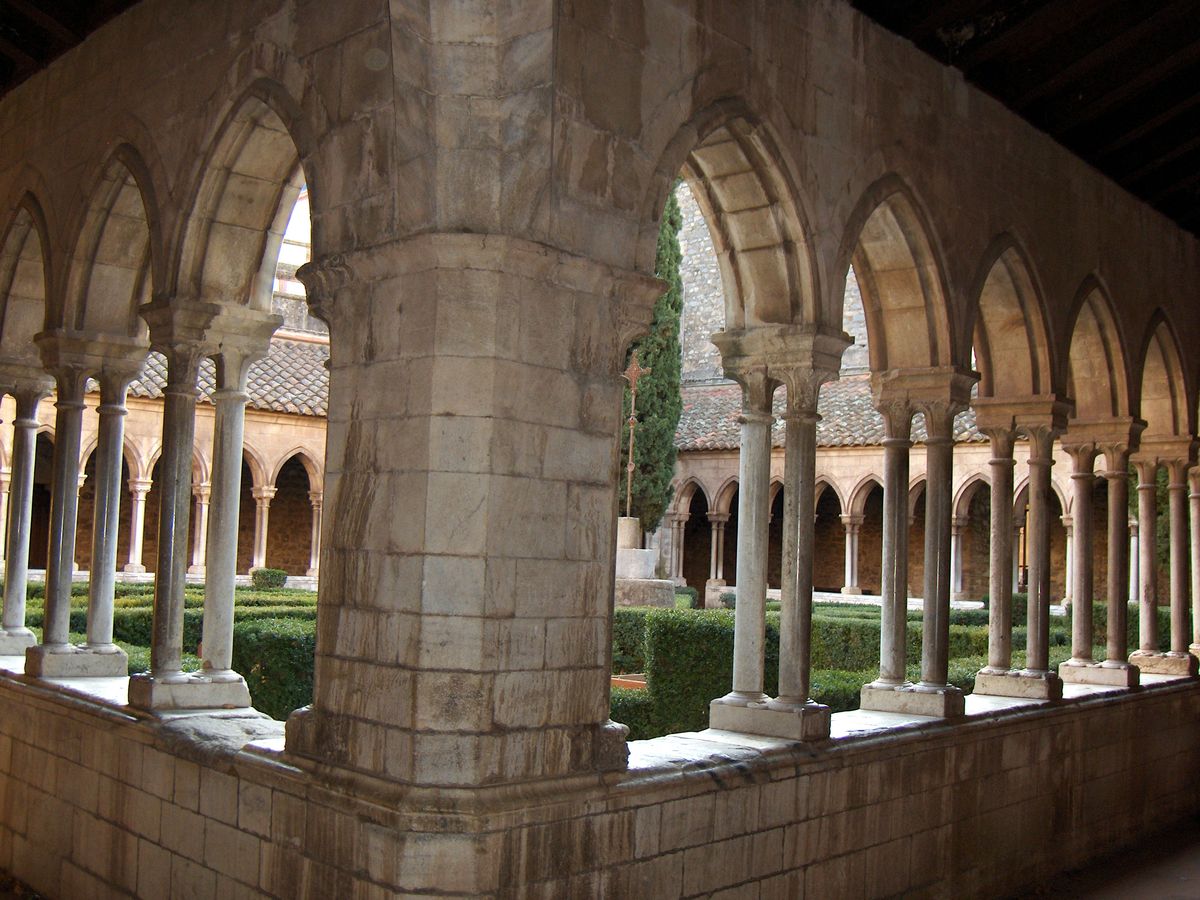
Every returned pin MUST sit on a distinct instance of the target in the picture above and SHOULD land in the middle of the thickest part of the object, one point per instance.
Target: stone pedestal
(635, 582)
(14, 642)
(913, 700)
(187, 692)
(70, 661)
(1182, 664)
(809, 722)
(1100, 674)
(1019, 683)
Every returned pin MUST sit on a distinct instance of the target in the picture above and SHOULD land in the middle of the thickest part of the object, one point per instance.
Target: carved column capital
(897, 415)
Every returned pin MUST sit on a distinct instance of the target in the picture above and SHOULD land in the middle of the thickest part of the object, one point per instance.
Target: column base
(809, 722)
(134, 569)
(195, 570)
(852, 590)
(16, 641)
(1184, 664)
(1020, 683)
(69, 661)
(189, 692)
(312, 573)
(1101, 674)
(945, 702)
(1194, 649)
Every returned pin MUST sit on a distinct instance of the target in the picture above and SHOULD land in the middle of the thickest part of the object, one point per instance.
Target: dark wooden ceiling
(35, 32)
(1115, 81)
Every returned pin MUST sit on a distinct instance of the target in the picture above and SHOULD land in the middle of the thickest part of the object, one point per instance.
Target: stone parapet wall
(101, 803)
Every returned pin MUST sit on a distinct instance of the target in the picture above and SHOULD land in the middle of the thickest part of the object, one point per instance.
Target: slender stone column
(1116, 474)
(16, 637)
(230, 400)
(721, 548)
(1016, 554)
(939, 500)
(1068, 524)
(853, 526)
(137, 524)
(1082, 588)
(957, 526)
(1001, 575)
(154, 689)
(796, 596)
(754, 486)
(70, 383)
(1147, 556)
(200, 494)
(262, 513)
(108, 659)
(897, 424)
(1037, 661)
(5, 480)
(712, 548)
(1177, 498)
(1194, 510)
(1135, 558)
(314, 555)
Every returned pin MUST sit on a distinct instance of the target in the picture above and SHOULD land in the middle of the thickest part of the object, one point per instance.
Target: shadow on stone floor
(1163, 866)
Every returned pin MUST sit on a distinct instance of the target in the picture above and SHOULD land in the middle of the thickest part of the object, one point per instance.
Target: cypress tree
(659, 403)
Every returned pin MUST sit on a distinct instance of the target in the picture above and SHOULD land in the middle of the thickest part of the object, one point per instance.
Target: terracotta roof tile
(848, 418)
(291, 378)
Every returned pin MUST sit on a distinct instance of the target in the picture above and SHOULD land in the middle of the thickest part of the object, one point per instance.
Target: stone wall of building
(99, 803)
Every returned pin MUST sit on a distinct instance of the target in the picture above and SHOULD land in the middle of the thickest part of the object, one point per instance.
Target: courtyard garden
(685, 654)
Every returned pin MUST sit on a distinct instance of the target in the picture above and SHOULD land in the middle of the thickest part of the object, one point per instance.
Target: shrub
(276, 658)
(728, 599)
(634, 709)
(629, 640)
(268, 579)
(692, 595)
(838, 689)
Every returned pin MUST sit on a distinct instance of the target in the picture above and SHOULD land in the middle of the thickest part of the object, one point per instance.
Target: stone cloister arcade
(485, 184)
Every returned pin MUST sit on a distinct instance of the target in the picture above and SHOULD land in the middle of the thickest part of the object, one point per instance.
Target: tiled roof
(848, 418)
(291, 378)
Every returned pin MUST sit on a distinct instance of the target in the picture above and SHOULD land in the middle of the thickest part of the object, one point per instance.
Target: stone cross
(632, 374)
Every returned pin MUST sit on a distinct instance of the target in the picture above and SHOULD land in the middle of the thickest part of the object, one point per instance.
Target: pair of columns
(1178, 660)
(760, 361)
(186, 334)
(262, 509)
(939, 395)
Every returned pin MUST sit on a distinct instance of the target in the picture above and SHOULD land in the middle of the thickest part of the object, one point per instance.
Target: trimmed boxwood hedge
(629, 640)
(275, 655)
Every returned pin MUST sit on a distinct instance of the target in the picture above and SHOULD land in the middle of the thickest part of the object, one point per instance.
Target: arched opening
(1011, 341)
(775, 539)
(697, 537)
(896, 270)
(289, 537)
(916, 540)
(729, 562)
(39, 523)
(972, 522)
(23, 270)
(1097, 377)
(112, 272)
(829, 543)
(247, 514)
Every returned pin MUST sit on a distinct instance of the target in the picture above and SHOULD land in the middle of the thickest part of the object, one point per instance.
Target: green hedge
(268, 579)
(276, 657)
(635, 709)
(629, 640)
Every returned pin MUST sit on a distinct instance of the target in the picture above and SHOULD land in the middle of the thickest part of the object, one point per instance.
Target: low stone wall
(99, 802)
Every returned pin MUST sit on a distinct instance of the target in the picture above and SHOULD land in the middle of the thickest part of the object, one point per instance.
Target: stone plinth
(69, 661)
(644, 592)
(1182, 664)
(636, 563)
(15, 642)
(804, 723)
(192, 692)
(913, 700)
(1019, 683)
(1100, 674)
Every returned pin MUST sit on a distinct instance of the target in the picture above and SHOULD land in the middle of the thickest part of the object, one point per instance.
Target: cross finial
(634, 371)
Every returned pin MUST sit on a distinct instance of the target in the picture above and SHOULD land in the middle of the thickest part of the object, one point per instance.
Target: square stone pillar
(470, 501)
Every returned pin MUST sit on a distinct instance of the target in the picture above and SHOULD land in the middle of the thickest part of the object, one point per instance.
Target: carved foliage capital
(322, 279)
